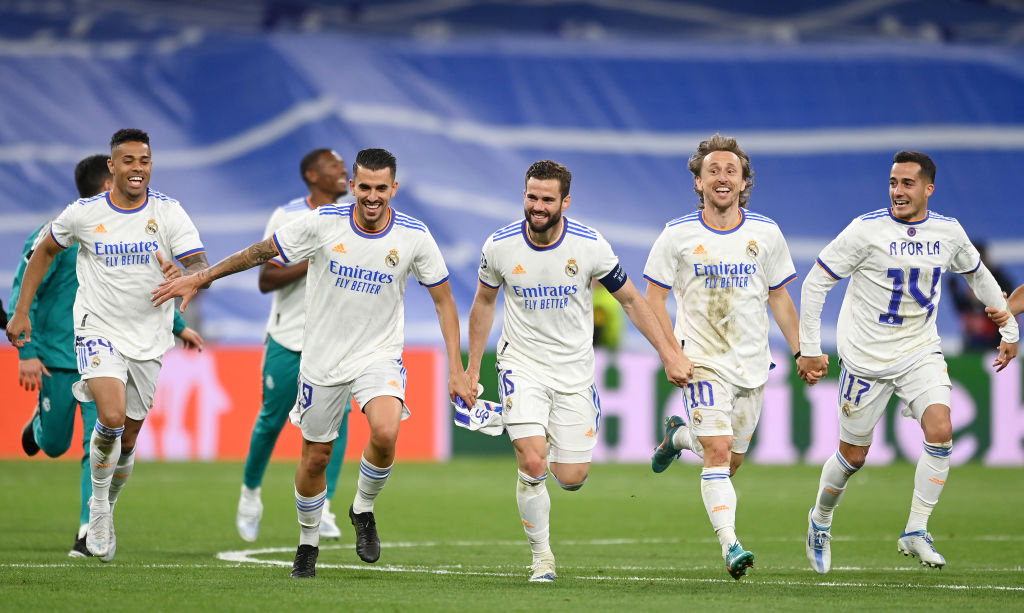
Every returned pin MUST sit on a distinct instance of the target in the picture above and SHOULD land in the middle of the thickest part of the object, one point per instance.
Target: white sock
(251, 494)
(372, 480)
(929, 479)
(309, 510)
(720, 503)
(684, 439)
(835, 474)
(104, 447)
(534, 510)
(122, 471)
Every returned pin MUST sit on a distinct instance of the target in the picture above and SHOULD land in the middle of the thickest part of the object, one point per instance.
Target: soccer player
(323, 171)
(360, 258)
(888, 343)
(725, 265)
(546, 355)
(119, 337)
(49, 364)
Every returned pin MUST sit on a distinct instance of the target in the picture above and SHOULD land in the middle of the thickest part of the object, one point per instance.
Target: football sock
(929, 478)
(104, 446)
(684, 439)
(122, 471)
(835, 474)
(309, 510)
(372, 480)
(720, 502)
(534, 510)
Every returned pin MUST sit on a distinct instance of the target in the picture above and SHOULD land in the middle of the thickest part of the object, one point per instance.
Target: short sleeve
(842, 256)
(299, 238)
(428, 265)
(779, 267)
(662, 262)
(605, 259)
(277, 220)
(184, 238)
(64, 229)
(488, 272)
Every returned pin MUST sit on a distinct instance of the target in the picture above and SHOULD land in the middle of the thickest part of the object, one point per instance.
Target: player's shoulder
(872, 218)
(758, 218)
(162, 199)
(295, 205)
(685, 221)
(408, 222)
(942, 219)
(576, 229)
(336, 209)
(513, 229)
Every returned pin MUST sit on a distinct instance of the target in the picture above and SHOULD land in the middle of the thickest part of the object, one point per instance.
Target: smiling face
(329, 175)
(130, 163)
(721, 180)
(543, 204)
(373, 190)
(909, 191)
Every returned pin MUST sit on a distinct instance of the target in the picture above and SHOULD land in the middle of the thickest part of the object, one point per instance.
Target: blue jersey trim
(55, 238)
(376, 234)
(535, 246)
(694, 216)
(191, 252)
(784, 282)
(975, 269)
(827, 270)
(658, 283)
(743, 217)
(927, 214)
(441, 282)
(482, 282)
(280, 251)
(142, 206)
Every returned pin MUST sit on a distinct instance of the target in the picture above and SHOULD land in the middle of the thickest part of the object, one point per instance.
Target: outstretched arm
(187, 286)
(35, 271)
(678, 368)
(812, 300)
(656, 299)
(481, 318)
(448, 318)
(274, 276)
(987, 290)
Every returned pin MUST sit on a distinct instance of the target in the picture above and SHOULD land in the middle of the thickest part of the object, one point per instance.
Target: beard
(540, 229)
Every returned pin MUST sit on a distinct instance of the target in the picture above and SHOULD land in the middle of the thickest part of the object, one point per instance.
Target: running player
(323, 172)
(360, 258)
(725, 265)
(888, 343)
(119, 338)
(546, 354)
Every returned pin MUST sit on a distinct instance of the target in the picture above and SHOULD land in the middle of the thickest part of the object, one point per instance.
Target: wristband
(797, 356)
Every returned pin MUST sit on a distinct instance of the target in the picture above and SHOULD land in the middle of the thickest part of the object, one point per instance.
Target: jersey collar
(535, 246)
(910, 223)
(743, 217)
(367, 233)
(110, 203)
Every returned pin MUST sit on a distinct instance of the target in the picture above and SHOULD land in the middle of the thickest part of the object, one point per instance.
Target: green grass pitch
(630, 540)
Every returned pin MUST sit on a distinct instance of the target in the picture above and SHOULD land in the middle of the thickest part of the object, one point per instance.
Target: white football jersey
(887, 319)
(288, 310)
(720, 280)
(548, 330)
(355, 287)
(117, 268)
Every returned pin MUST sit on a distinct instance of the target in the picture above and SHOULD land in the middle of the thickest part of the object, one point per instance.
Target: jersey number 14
(899, 280)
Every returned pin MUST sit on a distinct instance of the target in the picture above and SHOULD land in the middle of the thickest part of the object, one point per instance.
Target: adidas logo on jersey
(699, 250)
(590, 433)
(100, 229)
(519, 270)
(339, 248)
(394, 384)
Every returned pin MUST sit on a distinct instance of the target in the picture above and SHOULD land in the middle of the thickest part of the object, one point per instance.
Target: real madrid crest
(571, 268)
(391, 259)
(846, 409)
(151, 227)
(508, 404)
(95, 361)
(752, 249)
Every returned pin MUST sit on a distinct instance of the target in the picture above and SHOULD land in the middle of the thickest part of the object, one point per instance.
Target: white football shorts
(97, 357)
(716, 408)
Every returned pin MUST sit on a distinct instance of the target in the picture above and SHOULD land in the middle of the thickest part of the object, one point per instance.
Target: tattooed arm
(201, 276)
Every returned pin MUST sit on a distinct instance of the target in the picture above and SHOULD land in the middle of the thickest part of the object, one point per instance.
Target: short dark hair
(90, 174)
(722, 143)
(550, 169)
(128, 135)
(926, 163)
(375, 159)
(309, 160)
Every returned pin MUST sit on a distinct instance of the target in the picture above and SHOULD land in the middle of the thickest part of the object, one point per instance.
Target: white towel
(484, 416)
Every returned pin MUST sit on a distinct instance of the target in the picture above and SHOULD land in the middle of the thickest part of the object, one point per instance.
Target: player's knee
(533, 465)
(384, 436)
(938, 431)
(52, 449)
(570, 487)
